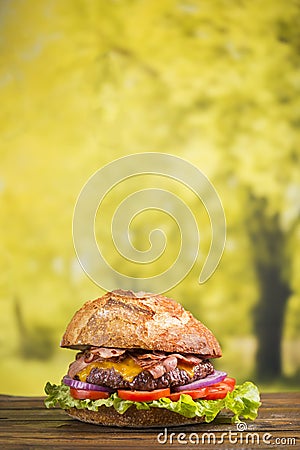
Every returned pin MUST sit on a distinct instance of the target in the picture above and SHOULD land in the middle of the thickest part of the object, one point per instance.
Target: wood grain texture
(26, 424)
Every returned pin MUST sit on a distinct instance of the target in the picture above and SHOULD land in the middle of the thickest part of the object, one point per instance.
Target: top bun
(124, 319)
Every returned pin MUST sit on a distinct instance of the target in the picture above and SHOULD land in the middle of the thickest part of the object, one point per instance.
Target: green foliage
(84, 82)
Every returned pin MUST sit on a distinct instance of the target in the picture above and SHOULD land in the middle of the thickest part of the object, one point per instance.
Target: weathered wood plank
(278, 439)
(25, 423)
(277, 415)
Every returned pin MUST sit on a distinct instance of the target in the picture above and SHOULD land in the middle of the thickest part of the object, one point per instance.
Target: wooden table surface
(27, 424)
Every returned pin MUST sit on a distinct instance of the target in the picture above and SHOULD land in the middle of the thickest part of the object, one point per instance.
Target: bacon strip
(188, 359)
(83, 359)
(160, 363)
(160, 368)
(77, 366)
(98, 353)
(157, 363)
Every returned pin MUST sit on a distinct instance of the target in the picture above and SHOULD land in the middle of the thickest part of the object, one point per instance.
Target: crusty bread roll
(136, 418)
(123, 319)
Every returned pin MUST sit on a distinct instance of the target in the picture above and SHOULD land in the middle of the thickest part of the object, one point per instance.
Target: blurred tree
(268, 244)
(35, 341)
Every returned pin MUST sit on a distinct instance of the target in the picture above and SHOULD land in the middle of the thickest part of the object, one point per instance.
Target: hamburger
(142, 360)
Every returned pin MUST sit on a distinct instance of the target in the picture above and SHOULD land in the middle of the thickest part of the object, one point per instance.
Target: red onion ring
(82, 385)
(213, 378)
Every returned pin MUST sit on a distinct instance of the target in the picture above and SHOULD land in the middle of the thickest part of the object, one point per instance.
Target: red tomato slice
(143, 396)
(220, 390)
(82, 394)
(175, 396)
(230, 381)
(217, 393)
(195, 393)
(213, 392)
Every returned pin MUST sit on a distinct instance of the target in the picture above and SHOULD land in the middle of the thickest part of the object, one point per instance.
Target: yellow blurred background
(217, 83)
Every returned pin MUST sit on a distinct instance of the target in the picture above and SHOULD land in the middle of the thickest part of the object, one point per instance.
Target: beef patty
(144, 381)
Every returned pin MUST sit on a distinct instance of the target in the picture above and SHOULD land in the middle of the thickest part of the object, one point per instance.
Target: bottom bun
(135, 418)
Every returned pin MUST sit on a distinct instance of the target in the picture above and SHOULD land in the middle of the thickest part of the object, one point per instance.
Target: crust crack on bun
(124, 319)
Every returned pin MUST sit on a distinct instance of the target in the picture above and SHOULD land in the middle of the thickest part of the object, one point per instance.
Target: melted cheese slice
(187, 367)
(127, 368)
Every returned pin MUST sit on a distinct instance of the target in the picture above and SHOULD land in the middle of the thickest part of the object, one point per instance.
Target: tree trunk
(268, 257)
(269, 320)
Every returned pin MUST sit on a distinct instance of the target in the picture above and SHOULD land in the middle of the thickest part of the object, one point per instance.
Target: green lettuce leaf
(243, 401)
